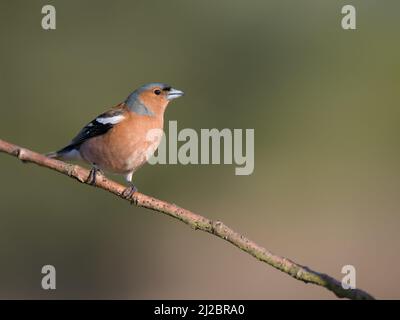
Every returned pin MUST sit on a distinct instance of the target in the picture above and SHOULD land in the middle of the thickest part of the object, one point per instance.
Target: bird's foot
(128, 194)
(91, 179)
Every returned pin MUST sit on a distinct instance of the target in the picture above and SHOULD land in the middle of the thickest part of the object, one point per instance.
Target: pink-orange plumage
(121, 139)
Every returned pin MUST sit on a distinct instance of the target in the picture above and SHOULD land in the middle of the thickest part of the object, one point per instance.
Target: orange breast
(123, 148)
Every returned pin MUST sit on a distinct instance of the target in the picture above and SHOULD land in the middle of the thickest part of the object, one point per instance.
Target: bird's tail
(69, 152)
(53, 154)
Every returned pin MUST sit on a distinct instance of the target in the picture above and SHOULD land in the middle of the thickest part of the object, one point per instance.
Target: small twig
(194, 220)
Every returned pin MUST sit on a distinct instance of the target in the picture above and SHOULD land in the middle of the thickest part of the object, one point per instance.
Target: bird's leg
(129, 191)
(91, 179)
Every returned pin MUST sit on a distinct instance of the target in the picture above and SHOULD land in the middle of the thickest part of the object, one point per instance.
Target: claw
(128, 194)
(91, 179)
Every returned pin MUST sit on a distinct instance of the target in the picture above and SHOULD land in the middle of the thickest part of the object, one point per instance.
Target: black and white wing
(97, 127)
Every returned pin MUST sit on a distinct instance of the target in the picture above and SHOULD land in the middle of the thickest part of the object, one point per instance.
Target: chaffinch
(117, 141)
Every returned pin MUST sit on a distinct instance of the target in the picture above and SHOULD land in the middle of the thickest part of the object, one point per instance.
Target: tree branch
(192, 219)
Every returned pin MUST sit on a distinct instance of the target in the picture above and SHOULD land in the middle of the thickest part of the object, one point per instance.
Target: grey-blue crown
(133, 96)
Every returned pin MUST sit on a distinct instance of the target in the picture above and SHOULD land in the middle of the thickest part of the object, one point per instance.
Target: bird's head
(152, 98)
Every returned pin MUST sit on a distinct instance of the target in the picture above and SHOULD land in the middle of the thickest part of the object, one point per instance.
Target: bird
(121, 139)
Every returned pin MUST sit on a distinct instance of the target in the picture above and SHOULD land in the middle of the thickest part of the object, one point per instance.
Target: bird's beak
(174, 93)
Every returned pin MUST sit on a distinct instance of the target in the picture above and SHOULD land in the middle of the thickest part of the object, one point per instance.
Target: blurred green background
(324, 104)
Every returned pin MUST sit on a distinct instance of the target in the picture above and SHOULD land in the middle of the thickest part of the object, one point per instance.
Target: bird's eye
(157, 92)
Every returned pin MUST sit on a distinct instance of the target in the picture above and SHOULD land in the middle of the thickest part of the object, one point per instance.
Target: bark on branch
(192, 219)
